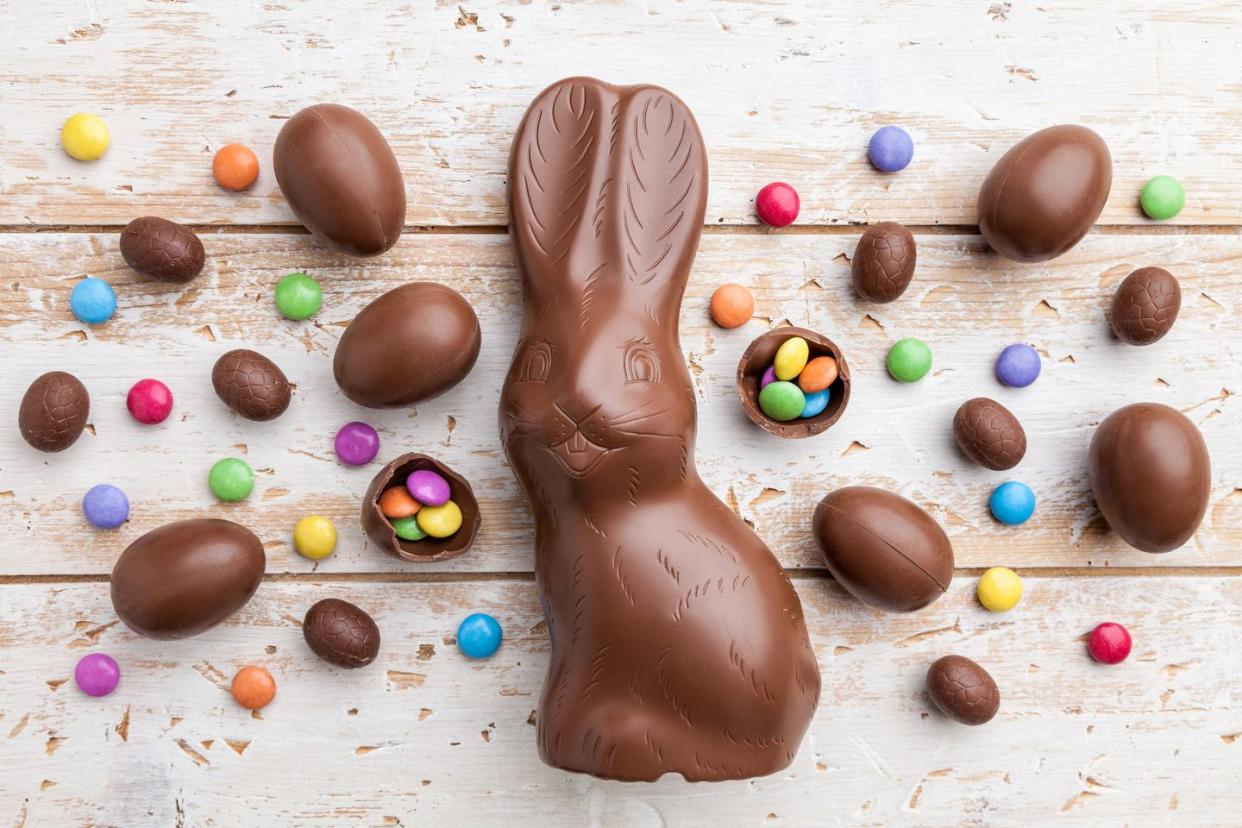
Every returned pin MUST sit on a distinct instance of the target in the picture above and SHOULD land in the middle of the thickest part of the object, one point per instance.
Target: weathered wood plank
(783, 90)
(424, 735)
(966, 304)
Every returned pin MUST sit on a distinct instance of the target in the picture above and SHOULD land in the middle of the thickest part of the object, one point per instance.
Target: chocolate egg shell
(989, 434)
(1145, 306)
(162, 249)
(251, 384)
(380, 531)
(184, 578)
(412, 343)
(759, 355)
(884, 549)
(883, 262)
(53, 411)
(963, 690)
(1044, 194)
(1151, 475)
(341, 179)
(341, 633)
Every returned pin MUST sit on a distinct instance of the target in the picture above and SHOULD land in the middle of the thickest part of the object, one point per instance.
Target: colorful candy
(815, 404)
(428, 488)
(105, 506)
(1162, 198)
(439, 521)
(818, 374)
(407, 528)
(479, 635)
(149, 401)
(769, 377)
(777, 204)
(1109, 643)
(84, 136)
(999, 589)
(796, 386)
(92, 301)
(791, 358)
(298, 297)
(1012, 503)
(231, 480)
(96, 674)
(1018, 366)
(314, 537)
(732, 306)
(396, 502)
(909, 360)
(891, 149)
(782, 401)
(235, 167)
(253, 688)
(356, 444)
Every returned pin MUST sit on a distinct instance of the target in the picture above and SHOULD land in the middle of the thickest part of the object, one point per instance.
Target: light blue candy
(92, 301)
(815, 403)
(1012, 503)
(479, 635)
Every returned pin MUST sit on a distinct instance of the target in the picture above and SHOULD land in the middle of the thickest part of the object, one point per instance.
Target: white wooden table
(782, 90)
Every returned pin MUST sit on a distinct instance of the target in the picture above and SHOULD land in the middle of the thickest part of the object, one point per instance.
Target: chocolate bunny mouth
(578, 455)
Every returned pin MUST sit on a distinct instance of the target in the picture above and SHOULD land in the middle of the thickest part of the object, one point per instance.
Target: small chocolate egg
(412, 343)
(184, 578)
(989, 434)
(341, 179)
(884, 549)
(883, 262)
(53, 411)
(162, 249)
(341, 633)
(1151, 475)
(251, 384)
(1045, 193)
(963, 690)
(1145, 306)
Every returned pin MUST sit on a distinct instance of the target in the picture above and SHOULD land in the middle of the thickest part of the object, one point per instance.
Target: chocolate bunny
(678, 643)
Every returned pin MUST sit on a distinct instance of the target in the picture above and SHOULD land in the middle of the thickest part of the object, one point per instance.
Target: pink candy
(777, 204)
(149, 401)
(1109, 643)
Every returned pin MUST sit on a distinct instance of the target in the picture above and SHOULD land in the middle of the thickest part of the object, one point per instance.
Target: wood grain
(784, 90)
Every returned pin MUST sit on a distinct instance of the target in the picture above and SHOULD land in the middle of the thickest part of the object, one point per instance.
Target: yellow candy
(84, 136)
(1000, 589)
(314, 537)
(439, 521)
(791, 358)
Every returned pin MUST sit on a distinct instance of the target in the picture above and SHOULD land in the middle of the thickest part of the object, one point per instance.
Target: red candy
(777, 204)
(149, 401)
(1109, 643)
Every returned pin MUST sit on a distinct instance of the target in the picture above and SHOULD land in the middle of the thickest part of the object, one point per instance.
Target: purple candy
(768, 376)
(428, 488)
(890, 149)
(105, 506)
(356, 444)
(1018, 366)
(97, 674)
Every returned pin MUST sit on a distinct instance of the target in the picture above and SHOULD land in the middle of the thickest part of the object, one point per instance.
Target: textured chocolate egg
(1145, 306)
(963, 690)
(1151, 475)
(162, 249)
(251, 384)
(341, 633)
(410, 344)
(883, 262)
(53, 411)
(989, 434)
(341, 179)
(184, 578)
(1044, 194)
(883, 548)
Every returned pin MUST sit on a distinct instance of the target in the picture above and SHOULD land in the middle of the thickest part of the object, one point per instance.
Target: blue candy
(1012, 503)
(92, 301)
(815, 403)
(891, 149)
(105, 506)
(479, 635)
(1018, 366)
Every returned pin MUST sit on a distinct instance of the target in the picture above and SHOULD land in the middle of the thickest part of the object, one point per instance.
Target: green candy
(909, 360)
(1162, 198)
(782, 401)
(231, 480)
(407, 528)
(298, 297)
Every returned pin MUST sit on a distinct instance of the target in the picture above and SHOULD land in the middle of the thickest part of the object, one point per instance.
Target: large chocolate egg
(53, 411)
(341, 179)
(883, 548)
(410, 344)
(184, 578)
(1043, 195)
(1151, 475)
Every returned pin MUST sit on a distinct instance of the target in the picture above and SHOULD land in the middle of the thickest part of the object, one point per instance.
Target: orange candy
(235, 167)
(397, 503)
(818, 374)
(732, 306)
(253, 688)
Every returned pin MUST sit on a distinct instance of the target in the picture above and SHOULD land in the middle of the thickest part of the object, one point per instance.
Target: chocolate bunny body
(678, 643)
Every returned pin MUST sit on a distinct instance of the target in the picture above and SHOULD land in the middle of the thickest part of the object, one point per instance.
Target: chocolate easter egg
(162, 249)
(1045, 193)
(963, 690)
(883, 262)
(1145, 306)
(251, 384)
(989, 434)
(341, 633)
(53, 411)
(341, 179)
(1151, 475)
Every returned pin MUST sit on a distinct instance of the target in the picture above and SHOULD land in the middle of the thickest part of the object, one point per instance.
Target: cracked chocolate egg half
(381, 530)
(761, 354)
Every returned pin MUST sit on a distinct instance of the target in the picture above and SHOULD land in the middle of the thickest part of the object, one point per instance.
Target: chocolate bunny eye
(641, 363)
(537, 362)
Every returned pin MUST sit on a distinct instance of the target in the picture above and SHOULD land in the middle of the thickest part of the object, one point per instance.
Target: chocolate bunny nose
(576, 410)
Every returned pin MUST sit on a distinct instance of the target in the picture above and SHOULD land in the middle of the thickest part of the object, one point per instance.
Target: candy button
(769, 377)
(235, 167)
(1018, 366)
(782, 401)
(1109, 643)
(96, 674)
(298, 297)
(407, 528)
(149, 401)
(791, 358)
(439, 521)
(253, 688)
(428, 488)
(999, 589)
(815, 404)
(105, 506)
(818, 374)
(314, 537)
(732, 306)
(909, 360)
(479, 635)
(231, 480)
(356, 444)
(1012, 503)
(1162, 198)
(92, 301)
(84, 136)
(777, 204)
(891, 149)
(396, 502)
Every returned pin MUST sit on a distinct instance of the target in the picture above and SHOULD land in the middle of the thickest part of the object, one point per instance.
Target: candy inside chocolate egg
(760, 355)
(380, 529)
